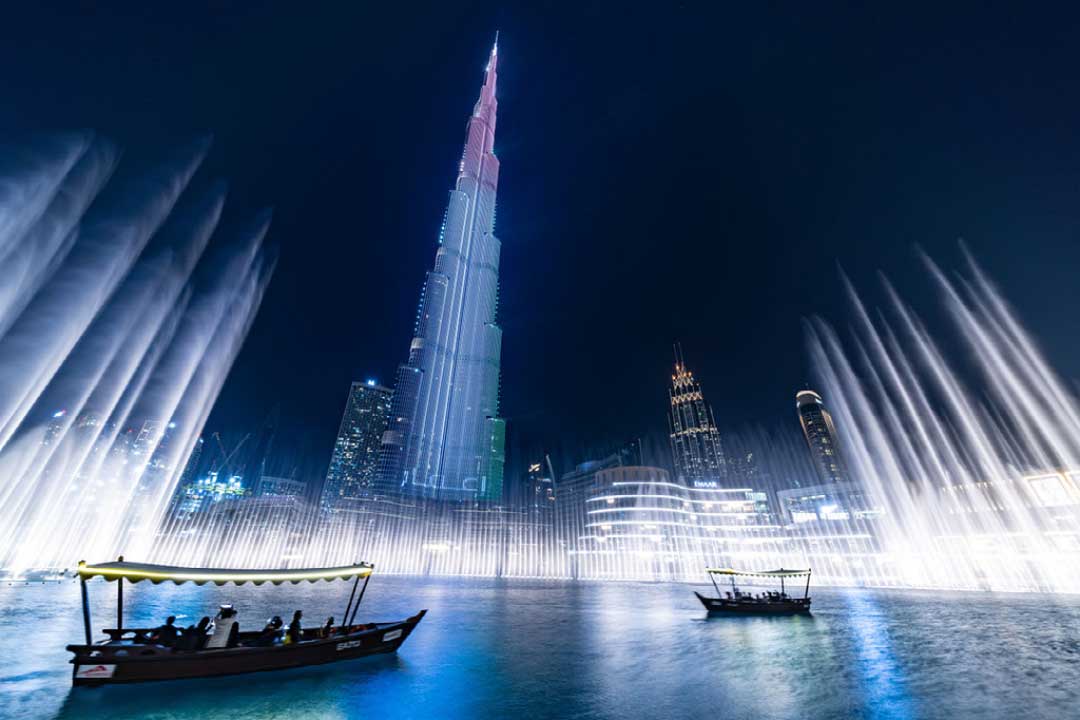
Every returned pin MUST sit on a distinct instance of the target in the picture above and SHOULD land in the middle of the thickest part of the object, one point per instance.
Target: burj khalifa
(445, 440)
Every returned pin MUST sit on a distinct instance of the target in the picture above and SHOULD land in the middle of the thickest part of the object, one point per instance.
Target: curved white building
(638, 524)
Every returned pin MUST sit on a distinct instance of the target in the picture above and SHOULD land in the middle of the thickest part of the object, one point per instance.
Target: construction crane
(227, 456)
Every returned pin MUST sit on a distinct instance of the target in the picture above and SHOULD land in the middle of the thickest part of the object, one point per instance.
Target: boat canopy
(781, 573)
(137, 572)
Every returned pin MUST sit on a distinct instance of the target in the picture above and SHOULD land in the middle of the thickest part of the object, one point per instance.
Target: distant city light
(370, 382)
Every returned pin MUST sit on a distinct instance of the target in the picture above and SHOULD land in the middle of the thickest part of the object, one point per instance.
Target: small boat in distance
(737, 602)
(131, 655)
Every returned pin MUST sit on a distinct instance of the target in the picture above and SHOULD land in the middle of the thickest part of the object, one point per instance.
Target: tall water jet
(976, 459)
(122, 311)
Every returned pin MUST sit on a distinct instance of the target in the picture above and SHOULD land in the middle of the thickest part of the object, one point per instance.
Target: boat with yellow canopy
(130, 655)
(768, 602)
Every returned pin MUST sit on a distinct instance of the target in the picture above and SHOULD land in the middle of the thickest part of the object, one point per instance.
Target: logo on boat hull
(91, 672)
(392, 635)
(349, 645)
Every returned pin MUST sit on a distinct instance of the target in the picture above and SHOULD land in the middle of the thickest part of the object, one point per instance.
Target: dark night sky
(693, 173)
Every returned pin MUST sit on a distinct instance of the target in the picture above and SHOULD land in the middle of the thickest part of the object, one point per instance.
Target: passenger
(328, 628)
(295, 632)
(167, 634)
(193, 636)
(186, 641)
(201, 632)
(226, 629)
(269, 635)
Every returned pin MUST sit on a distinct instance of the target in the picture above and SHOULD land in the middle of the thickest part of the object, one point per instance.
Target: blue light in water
(59, 413)
(884, 683)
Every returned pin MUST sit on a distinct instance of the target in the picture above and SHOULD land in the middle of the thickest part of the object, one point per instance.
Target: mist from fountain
(974, 456)
(961, 474)
(123, 307)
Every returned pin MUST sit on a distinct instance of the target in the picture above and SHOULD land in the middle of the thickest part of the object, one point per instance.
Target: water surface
(499, 649)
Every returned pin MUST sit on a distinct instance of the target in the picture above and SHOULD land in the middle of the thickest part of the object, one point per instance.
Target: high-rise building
(696, 449)
(445, 439)
(273, 486)
(820, 433)
(540, 486)
(354, 462)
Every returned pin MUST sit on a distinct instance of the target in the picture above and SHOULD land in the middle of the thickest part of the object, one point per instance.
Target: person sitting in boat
(193, 636)
(166, 634)
(226, 629)
(270, 633)
(328, 628)
(295, 631)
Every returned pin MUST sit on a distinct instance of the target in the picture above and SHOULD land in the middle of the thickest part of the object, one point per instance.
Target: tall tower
(351, 475)
(820, 433)
(695, 441)
(445, 439)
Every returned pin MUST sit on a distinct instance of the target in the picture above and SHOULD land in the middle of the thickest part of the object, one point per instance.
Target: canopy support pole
(120, 600)
(362, 591)
(86, 611)
(713, 578)
(807, 593)
(781, 584)
(345, 617)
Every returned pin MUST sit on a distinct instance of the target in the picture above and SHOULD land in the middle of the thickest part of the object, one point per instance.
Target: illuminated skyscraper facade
(354, 463)
(695, 442)
(445, 440)
(820, 433)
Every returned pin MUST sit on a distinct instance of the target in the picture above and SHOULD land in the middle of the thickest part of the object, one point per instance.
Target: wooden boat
(129, 655)
(737, 602)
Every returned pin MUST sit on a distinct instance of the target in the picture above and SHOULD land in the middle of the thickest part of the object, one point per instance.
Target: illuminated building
(540, 486)
(354, 462)
(837, 501)
(271, 486)
(445, 440)
(695, 442)
(208, 490)
(638, 524)
(496, 460)
(55, 428)
(821, 439)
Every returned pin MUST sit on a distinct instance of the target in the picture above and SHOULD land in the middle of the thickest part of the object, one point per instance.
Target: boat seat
(139, 636)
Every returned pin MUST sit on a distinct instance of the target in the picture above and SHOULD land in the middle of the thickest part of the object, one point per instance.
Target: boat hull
(107, 664)
(721, 606)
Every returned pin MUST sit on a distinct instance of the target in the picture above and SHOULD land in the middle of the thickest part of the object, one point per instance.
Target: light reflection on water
(502, 648)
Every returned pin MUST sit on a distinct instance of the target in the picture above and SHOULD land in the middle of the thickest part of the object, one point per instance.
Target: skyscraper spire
(445, 439)
(486, 104)
(695, 442)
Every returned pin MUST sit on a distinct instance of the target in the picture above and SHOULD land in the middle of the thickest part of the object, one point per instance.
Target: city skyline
(446, 439)
(596, 255)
